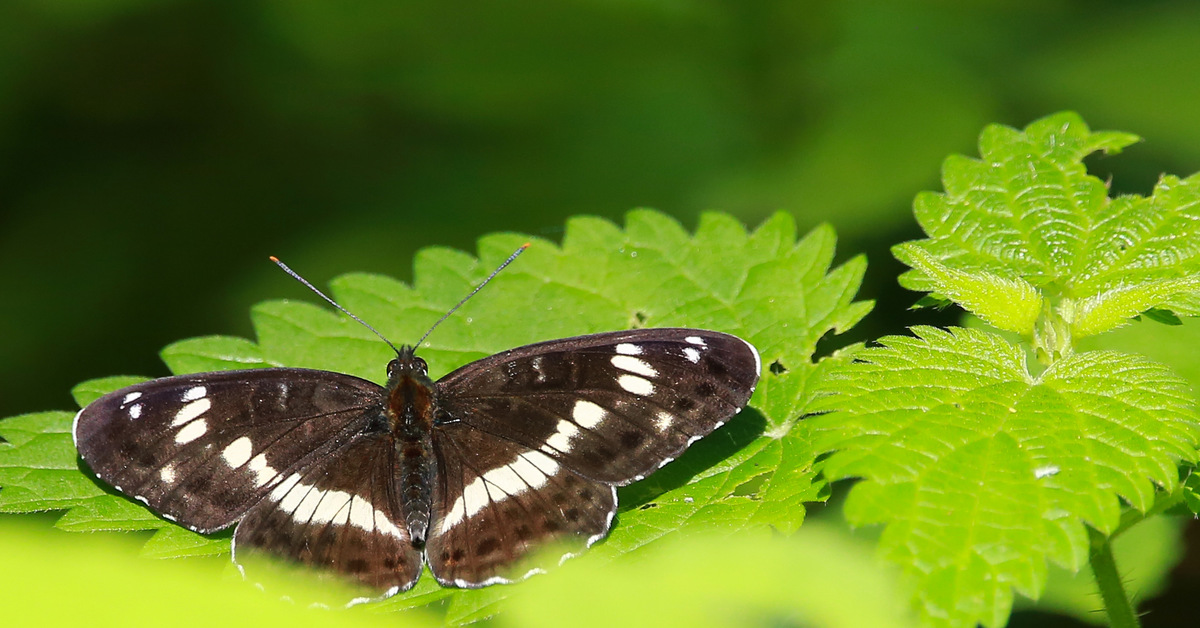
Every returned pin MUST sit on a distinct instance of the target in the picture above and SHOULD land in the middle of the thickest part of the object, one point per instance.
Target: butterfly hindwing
(201, 449)
(342, 514)
(497, 501)
(613, 406)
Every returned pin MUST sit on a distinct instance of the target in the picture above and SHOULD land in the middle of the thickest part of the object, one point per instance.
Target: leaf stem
(1120, 610)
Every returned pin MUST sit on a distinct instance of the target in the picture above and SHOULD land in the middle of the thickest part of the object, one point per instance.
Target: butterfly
(469, 474)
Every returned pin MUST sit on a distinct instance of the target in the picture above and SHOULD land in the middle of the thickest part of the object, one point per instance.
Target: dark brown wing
(612, 407)
(201, 449)
(496, 501)
(341, 515)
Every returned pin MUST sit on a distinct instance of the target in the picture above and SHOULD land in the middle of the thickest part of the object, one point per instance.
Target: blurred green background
(153, 153)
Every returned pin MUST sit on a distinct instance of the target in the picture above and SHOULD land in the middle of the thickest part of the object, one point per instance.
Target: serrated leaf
(981, 472)
(775, 291)
(1027, 215)
(172, 541)
(1007, 304)
(212, 353)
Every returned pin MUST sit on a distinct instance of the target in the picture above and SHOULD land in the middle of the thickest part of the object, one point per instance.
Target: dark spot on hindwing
(632, 439)
(357, 565)
(684, 403)
(487, 546)
(706, 389)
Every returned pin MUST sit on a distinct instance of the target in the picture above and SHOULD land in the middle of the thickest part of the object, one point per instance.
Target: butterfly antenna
(490, 277)
(304, 281)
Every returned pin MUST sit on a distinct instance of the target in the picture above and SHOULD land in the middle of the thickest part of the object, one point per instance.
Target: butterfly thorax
(410, 411)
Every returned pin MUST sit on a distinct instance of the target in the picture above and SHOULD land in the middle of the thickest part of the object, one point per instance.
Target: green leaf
(212, 353)
(1025, 224)
(766, 286)
(816, 578)
(981, 471)
(91, 575)
(1007, 304)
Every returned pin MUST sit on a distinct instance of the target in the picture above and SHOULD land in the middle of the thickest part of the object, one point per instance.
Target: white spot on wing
(626, 348)
(544, 463)
(587, 414)
(281, 492)
(194, 430)
(691, 354)
(537, 368)
(498, 485)
(507, 480)
(238, 452)
(197, 392)
(167, 474)
(263, 472)
(308, 504)
(696, 340)
(664, 421)
(530, 474)
(135, 411)
(364, 515)
(191, 411)
(636, 385)
(131, 397)
(634, 365)
(474, 497)
(335, 505)
(561, 439)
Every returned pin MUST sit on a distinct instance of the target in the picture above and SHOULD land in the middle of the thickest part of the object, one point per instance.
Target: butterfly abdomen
(411, 408)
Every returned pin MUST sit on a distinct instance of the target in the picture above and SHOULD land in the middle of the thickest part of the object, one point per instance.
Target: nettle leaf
(981, 471)
(766, 286)
(818, 577)
(1026, 215)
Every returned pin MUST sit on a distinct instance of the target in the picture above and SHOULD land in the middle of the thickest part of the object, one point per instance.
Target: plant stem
(1120, 611)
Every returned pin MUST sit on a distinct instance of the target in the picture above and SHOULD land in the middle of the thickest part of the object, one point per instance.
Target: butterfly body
(471, 474)
(411, 408)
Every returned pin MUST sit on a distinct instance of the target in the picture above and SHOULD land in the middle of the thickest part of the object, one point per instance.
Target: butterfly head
(407, 364)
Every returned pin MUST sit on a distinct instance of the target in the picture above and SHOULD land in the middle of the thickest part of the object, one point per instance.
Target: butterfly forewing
(497, 502)
(342, 514)
(202, 449)
(612, 407)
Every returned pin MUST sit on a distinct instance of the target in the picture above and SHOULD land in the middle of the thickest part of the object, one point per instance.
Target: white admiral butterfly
(469, 474)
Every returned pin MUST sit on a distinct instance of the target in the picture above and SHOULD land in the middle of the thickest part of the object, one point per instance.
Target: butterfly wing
(611, 407)
(496, 501)
(341, 514)
(531, 442)
(201, 449)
